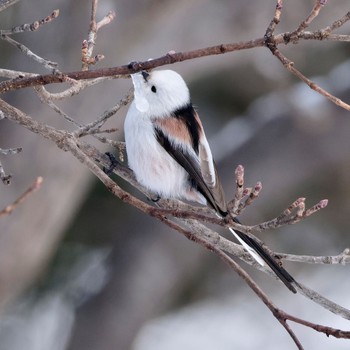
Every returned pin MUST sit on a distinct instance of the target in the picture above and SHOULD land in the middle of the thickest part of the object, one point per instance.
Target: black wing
(190, 164)
(192, 167)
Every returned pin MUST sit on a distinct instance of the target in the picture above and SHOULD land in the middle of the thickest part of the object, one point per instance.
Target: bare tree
(185, 219)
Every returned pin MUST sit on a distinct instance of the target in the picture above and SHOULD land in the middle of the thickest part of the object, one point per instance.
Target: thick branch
(170, 58)
(130, 68)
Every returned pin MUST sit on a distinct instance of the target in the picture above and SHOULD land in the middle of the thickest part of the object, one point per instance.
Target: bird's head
(160, 93)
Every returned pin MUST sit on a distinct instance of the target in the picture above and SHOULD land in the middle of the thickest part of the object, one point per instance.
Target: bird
(168, 152)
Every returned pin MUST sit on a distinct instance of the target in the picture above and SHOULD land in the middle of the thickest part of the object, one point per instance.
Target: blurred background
(81, 270)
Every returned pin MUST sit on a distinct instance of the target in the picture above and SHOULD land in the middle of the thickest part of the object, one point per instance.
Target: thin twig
(276, 19)
(6, 3)
(239, 192)
(76, 88)
(84, 130)
(336, 333)
(10, 151)
(105, 20)
(341, 259)
(10, 208)
(44, 97)
(100, 131)
(322, 301)
(289, 65)
(285, 218)
(45, 63)
(30, 27)
(271, 44)
(313, 14)
(88, 45)
(15, 74)
(252, 195)
(337, 24)
(324, 36)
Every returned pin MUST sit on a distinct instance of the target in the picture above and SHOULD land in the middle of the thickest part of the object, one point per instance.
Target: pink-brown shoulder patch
(175, 128)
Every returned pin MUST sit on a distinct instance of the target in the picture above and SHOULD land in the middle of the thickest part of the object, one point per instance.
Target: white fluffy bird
(168, 151)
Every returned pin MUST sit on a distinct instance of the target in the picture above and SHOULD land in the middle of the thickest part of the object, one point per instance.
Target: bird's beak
(145, 75)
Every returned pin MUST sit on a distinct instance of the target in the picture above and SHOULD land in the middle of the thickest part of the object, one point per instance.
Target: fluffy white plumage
(171, 93)
(154, 168)
(168, 151)
(157, 96)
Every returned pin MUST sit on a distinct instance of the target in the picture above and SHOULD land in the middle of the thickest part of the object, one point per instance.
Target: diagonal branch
(271, 44)
(11, 207)
(131, 68)
(84, 130)
(4, 4)
(289, 65)
(337, 24)
(30, 27)
(212, 242)
(46, 63)
(313, 14)
(259, 292)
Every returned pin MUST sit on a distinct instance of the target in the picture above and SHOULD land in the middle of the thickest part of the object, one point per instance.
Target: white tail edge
(249, 249)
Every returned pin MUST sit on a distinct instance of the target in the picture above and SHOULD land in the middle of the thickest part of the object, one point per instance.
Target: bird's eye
(153, 89)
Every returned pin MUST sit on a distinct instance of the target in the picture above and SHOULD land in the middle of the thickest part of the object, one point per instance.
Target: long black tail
(281, 273)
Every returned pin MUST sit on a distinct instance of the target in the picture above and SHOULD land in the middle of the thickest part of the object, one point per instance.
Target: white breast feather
(154, 168)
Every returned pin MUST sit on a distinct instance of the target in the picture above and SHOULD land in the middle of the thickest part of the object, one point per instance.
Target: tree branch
(30, 27)
(4, 4)
(294, 37)
(133, 67)
(88, 45)
(45, 63)
(34, 187)
(181, 217)
(70, 143)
